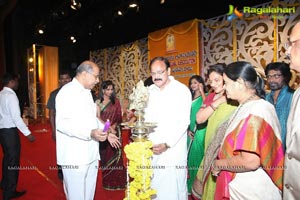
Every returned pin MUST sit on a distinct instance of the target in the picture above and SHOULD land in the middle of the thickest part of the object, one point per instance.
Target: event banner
(180, 44)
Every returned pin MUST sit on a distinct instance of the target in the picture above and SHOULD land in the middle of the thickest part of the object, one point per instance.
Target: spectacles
(95, 76)
(157, 73)
(276, 76)
(290, 44)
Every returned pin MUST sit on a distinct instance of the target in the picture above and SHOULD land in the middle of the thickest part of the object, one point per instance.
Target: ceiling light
(133, 5)
(75, 5)
(41, 31)
(162, 1)
(73, 39)
(120, 13)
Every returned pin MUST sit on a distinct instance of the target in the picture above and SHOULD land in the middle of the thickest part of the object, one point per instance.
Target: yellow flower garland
(139, 169)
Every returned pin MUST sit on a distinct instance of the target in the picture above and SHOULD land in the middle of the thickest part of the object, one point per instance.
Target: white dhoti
(80, 181)
(170, 182)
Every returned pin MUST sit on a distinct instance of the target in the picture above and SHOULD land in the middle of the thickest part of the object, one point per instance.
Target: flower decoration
(139, 169)
(139, 96)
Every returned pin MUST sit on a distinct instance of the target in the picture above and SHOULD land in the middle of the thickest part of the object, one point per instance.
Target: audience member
(215, 110)
(78, 132)
(169, 105)
(64, 78)
(109, 108)
(250, 159)
(10, 123)
(196, 133)
(278, 77)
(291, 188)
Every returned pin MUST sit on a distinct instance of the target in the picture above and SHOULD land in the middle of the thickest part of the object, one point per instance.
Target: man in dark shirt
(278, 77)
(64, 78)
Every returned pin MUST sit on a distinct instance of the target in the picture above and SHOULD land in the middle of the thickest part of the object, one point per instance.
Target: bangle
(214, 108)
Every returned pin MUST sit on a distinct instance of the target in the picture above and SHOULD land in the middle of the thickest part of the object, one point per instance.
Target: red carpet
(36, 174)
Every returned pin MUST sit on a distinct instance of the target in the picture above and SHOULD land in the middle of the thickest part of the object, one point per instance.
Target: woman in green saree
(196, 133)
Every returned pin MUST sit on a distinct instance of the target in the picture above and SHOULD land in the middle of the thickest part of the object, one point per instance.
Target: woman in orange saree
(250, 160)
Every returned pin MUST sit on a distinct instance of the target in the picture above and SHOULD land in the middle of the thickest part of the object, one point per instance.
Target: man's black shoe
(60, 176)
(17, 194)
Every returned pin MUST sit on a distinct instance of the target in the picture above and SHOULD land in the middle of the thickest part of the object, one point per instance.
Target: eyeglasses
(95, 76)
(290, 44)
(157, 73)
(276, 76)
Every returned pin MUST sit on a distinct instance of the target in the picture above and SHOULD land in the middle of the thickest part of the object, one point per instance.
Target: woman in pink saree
(109, 108)
(250, 159)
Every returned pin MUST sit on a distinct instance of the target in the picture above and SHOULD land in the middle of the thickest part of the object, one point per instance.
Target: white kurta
(170, 109)
(75, 119)
(77, 152)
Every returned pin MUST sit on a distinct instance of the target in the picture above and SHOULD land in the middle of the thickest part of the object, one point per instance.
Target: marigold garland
(139, 169)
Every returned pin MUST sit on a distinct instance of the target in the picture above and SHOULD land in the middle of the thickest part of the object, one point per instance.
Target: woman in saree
(215, 110)
(250, 159)
(196, 134)
(109, 108)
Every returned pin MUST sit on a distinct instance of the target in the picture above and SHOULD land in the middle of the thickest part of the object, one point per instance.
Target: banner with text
(180, 44)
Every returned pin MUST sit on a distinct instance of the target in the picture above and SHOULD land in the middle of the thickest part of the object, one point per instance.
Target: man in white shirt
(77, 133)
(169, 106)
(10, 122)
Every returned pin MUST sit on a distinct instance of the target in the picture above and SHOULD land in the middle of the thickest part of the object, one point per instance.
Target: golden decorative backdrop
(125, 65)
(254, 38)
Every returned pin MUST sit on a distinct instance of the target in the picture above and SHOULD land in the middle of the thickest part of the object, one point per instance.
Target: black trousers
(11, 146)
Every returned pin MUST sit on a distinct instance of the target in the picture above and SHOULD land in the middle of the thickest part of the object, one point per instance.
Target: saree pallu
(254, 128)
(196, 146)
(220, 115)
(112, 167)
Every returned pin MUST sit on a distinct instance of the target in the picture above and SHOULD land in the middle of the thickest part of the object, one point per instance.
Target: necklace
(238, 109)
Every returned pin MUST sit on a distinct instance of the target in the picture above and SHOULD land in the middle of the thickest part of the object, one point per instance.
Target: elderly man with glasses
(78, 132)
(169, 105)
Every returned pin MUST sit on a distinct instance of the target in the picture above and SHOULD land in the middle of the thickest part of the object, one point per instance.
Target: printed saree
(221, 114)
(254, 127)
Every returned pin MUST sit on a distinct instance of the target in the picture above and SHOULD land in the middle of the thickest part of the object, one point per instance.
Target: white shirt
(10, 115)
(75, 119)
(170, 109)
